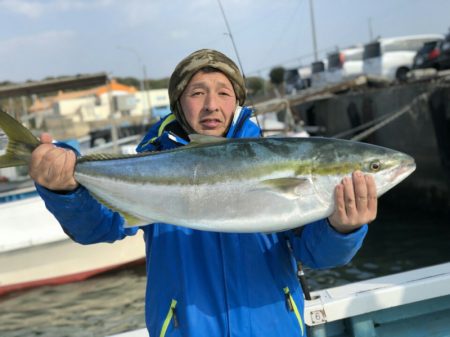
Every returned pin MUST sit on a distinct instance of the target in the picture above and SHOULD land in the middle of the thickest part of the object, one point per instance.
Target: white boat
(35, 251)
(407, 304)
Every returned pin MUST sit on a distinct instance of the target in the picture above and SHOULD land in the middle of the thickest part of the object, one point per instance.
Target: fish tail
(21, 142)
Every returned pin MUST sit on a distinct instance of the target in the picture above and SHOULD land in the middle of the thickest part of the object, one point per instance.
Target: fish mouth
(396, 175)
(407, 167)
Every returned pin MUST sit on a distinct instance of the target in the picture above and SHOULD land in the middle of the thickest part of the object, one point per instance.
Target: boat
(35, 251)
(411, 303)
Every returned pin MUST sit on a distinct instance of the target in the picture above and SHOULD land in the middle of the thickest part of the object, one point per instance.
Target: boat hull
(34, 251)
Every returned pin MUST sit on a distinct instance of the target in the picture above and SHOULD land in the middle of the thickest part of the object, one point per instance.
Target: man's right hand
(53, 167)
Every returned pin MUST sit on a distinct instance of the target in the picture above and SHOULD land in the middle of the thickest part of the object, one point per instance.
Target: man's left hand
(356, 203)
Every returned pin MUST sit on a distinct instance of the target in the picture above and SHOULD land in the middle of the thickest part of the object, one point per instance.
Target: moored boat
(35, 251)
(411, 303)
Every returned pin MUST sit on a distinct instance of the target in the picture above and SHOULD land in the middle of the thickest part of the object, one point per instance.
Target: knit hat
(190, 65)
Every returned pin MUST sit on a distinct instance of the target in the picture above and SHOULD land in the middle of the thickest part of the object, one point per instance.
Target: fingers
(349, 197)
(360, 188)
(46, 138)
(356, 202)
(53, 167)
(340, 211)
(372, 200)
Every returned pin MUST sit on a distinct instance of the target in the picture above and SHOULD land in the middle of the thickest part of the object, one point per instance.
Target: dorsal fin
(197, 139)
(111, 156)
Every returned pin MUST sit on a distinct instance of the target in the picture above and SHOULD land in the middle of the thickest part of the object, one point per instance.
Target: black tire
(401, 74)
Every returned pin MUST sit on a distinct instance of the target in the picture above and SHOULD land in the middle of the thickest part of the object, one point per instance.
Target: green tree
(130, 81)
(255, 85)
(277, 75)
(277, 79)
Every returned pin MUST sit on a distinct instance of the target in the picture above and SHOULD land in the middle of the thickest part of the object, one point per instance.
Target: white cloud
(37, 9)
(40, 41)
(27, 8)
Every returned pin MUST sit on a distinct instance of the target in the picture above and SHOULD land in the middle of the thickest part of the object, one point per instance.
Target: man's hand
(53, 167)
(356, 203)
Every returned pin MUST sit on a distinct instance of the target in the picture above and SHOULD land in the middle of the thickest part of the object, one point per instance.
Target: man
(207, 283)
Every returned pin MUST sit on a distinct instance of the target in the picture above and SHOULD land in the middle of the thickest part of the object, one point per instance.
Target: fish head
(339, 158)
(388, 168)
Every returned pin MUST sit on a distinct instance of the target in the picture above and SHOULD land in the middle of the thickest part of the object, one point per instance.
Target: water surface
(398, 240)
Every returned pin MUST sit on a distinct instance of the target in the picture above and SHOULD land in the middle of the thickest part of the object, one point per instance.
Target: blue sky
(43, 38)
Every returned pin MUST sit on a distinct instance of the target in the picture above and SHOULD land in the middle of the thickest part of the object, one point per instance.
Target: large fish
(237, 185)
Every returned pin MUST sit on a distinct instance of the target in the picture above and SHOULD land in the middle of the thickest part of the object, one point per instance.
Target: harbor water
(399, 240)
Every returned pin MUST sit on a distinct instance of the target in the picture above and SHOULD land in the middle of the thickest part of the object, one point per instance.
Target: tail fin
(21, 142)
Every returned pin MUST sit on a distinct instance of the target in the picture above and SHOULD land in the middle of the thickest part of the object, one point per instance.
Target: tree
(255, 85)
(277, 78)
(130, 81)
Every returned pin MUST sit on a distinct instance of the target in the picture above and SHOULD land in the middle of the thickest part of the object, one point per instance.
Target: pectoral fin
(290, 188)
(130, 220)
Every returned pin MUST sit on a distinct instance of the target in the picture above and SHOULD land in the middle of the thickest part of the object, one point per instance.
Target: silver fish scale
(250, 185)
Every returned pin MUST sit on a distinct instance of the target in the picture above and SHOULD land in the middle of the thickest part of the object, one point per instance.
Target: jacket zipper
(291, 306)
(171, 315)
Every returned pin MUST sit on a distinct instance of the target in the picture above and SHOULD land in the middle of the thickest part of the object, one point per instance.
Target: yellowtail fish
(214, 184)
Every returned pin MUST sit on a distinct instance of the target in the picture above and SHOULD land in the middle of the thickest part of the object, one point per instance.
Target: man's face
(208, 103)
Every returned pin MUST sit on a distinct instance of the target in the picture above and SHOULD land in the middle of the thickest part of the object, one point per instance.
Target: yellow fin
(21, 142)
(130, 220)
(291, 187)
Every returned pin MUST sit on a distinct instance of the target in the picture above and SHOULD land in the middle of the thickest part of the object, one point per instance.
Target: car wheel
(401, 73)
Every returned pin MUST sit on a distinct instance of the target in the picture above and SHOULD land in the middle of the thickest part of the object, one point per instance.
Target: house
(74, 114)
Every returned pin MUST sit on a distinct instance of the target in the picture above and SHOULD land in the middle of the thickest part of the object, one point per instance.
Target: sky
(49, 38)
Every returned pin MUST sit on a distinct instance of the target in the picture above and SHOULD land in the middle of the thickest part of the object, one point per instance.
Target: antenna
(313, 28)
(231, 37)
(238, 58)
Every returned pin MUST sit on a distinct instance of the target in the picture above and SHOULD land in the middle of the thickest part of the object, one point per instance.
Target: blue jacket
(206, 283)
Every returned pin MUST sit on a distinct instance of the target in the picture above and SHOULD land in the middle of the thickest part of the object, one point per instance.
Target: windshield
(372, 50)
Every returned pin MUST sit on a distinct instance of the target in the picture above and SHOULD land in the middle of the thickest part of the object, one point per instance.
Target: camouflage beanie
(187, 68)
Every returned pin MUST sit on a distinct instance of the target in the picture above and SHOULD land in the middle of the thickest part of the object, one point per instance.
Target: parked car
(305, 73)
(345, 64)
(318, 74)
(292, 81)
(441, 58)
(427, 56)
(392, 58)
(297, 79)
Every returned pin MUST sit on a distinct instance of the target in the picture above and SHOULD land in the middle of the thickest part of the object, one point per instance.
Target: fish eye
(375, 165)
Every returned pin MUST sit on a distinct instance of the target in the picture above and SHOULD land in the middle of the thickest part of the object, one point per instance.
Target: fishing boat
(411, 303)
(35, 251)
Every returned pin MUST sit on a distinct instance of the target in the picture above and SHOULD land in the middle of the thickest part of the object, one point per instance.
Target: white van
(392, 58)
(345, 64)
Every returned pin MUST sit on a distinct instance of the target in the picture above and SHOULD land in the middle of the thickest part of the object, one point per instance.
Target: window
(372, 50)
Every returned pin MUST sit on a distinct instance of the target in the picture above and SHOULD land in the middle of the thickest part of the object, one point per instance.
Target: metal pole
(231, 37)
(144, 76)
(370, 29)
(112, 116)
(147, 93)
(313, 28)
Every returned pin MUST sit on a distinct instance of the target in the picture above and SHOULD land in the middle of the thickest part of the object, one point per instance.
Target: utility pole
(370, 29)
(143, 79)
(313, 28)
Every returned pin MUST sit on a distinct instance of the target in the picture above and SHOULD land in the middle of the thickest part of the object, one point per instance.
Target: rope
(382, 120)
